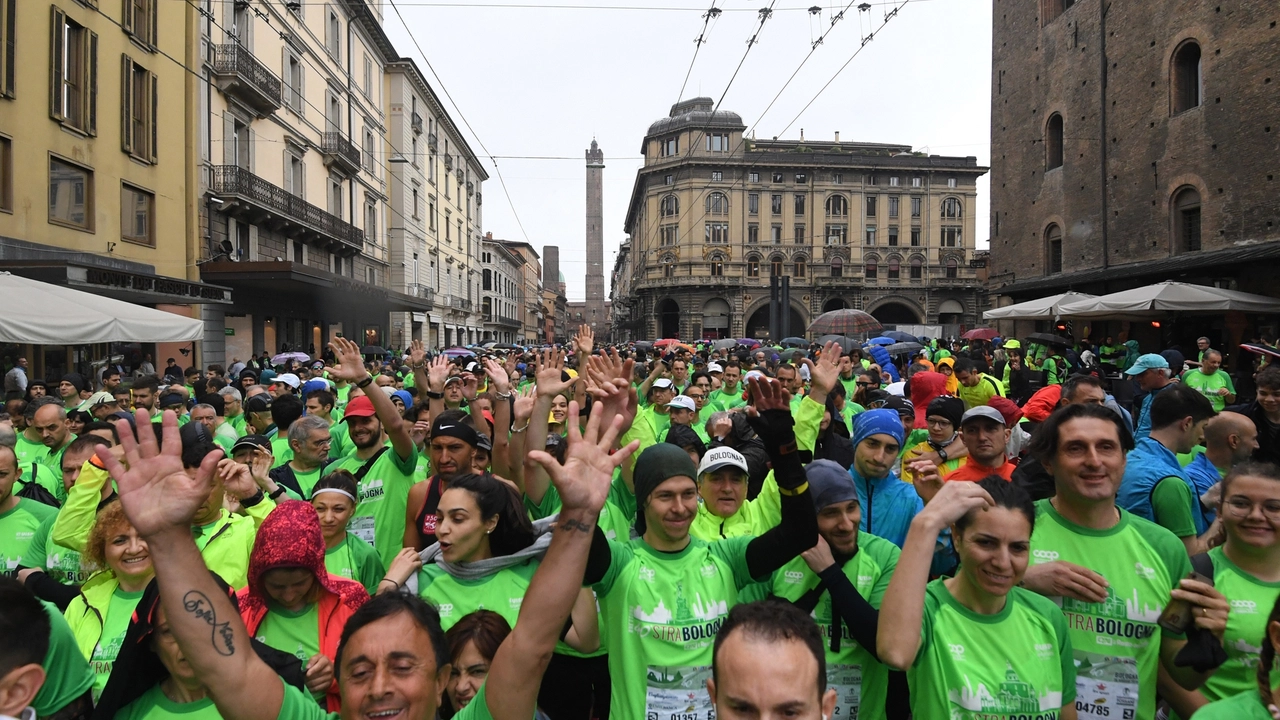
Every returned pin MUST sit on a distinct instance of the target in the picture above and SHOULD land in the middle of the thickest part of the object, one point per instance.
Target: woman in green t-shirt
(473, 641)
(345, 555)
(985, 647)
(99, 615)
(1258, 702)
(1246, 569)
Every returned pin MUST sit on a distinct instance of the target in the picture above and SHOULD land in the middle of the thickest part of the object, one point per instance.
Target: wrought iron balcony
(431, 141)
(504, 320)
(421, 291)
(459, 303)
(338, 151)
(448, 163)
(237, 72)
(252, 198)
(415, 121)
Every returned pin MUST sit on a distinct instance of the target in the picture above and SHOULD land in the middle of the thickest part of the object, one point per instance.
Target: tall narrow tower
(595, 314)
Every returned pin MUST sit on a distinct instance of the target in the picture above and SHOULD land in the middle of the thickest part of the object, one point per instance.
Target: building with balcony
(293, 200)
(96, 165)
(436, 213)
(502, 285)
(872, 226)
(624, 319)
(529, 311)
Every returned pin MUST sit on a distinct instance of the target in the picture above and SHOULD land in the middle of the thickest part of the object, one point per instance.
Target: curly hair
(111, 519)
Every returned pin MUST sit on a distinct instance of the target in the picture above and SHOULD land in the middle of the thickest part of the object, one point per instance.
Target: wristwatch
(368, 380)
(942, 454)
(435, 395)
(252, 500)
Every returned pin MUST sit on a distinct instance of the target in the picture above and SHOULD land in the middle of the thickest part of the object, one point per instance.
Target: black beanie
(657, 464)
(951, 408)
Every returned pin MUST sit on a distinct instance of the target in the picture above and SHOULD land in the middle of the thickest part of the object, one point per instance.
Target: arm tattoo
(571, 524)
(222, 636)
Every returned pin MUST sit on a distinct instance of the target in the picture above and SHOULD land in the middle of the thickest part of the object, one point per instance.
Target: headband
(465, 433)
(340, 491)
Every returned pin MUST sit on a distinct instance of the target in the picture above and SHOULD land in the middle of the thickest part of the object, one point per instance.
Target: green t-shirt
(659, 422)
(382, 499)
(1171, 503)
(280, 449)
(661, 614)
(51, 474)
(1208, 385)
(296, 705)
(340, 444)
(455, 598)
(1245, 706)
(29, 453)
(859, 679)
(67, 673)
(722, 400)
(355, 559)
(17, 529)
(295, 633)
(153, 705)
(238, 422)
(616, 517)
(1016, 663)
(60, 563)
(1116, 642)
(980, 394)
(307, 480)
(114, 625)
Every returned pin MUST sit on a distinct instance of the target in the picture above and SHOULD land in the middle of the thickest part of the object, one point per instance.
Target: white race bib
(1106, 687)
(678, 693)
(847, 682)
(362, 527)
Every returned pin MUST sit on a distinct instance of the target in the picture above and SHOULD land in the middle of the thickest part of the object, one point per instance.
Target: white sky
(533, 80)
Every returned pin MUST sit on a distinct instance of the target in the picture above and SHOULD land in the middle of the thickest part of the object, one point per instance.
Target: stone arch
(888, 306)
(668, 312)
(716, 316)
(757, 318)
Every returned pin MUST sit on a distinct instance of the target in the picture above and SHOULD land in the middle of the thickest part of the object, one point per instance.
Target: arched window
(800, 267)
(668, 266)
(917, 268)
(1186, 220)
(775, 266)
(1053, 250)
(870, 266)
(1053, 142)
(953, 268)
(895, 267)
(669, 206)
(717, 265)
(717, 204)
(837, 206)
(951, 208)
(837, 267)
(1185, 78)
(753, 266)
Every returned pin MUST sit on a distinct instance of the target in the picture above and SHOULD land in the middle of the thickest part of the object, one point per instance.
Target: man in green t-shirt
(55, 432)
(393, 657)
(19, 517)
(729, 396)
(1212, 381)
(233, 409)
(976, 388)
(1112, 572)
(309, 441)
(25, 627)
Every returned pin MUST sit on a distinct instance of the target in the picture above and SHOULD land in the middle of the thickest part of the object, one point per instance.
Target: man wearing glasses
(697, 392)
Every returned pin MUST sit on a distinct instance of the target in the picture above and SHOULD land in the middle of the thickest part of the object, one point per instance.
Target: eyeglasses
(864, 384)
(695, 397)
(1240, 506)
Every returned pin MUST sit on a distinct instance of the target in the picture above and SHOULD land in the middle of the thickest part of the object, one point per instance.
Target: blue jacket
(1148, 464)
(1203, 476)
(888, 505)
(1144, 414)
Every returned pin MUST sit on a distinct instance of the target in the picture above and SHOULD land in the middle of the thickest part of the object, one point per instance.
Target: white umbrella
(1168, 297)
(57, 315)
(1046, 308)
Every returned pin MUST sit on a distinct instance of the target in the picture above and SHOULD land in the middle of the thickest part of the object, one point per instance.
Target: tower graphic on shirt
(1009, 697)
(1114, 607)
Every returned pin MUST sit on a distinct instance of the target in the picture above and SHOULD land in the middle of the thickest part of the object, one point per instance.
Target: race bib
(678, 693)
(1106, 687)
(362, 527)
(847, 682)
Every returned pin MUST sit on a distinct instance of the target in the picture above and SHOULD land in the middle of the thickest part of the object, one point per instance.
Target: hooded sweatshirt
(925, 386)
(953, 384)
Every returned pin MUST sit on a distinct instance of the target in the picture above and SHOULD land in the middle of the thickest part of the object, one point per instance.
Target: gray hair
(717, 417)
(204, 406)
(303, 426)
(230, 392)
(8, 437)
(1213, 352)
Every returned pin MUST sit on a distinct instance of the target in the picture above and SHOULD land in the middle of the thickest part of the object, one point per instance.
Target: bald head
(8, 458)
(51, 422)
(1230, 436)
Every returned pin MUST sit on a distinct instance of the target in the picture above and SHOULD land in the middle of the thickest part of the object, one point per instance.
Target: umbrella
(643, 345)
(846, 343)
(795, 342)
(684, 346)
(372, 350)
(505, 346)
(749, 342)
(882, 340)
(724, 344)
(666, 341)
(903, 348)
(1048, 339)
(1168, 297)
(1260, 350)
(1047, 308)
(458, 352)
(899, 336)
(285, 357)
(980, 334)
(846, 321)
(489, 345)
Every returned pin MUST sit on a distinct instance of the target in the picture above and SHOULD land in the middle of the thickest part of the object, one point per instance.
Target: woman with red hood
(292, 603)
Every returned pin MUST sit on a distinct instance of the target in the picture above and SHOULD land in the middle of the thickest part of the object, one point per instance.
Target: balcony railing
(448, 163)
(421, 291)
(431, 141)
(246, 195)
(338, 150)
(237, 72)
(459, 303)
(415, 121)
(505, 320)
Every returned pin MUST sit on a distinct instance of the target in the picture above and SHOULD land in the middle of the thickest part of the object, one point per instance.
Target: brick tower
(595, 314)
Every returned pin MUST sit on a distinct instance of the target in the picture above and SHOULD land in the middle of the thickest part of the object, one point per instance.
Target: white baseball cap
(714, 368)
(661, 384)
(683, 401)
(720, 458)
(288, 379)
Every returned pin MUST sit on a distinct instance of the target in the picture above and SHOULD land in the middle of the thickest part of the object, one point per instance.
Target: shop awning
(45, 314)
(1046, 308)
(1166, 298)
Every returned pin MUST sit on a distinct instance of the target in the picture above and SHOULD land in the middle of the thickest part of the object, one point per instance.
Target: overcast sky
(533, 80)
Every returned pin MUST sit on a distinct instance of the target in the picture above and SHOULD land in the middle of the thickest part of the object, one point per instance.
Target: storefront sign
(152, 284)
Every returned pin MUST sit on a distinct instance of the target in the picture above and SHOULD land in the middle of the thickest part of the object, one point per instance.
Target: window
(775, 234)
(1186, 77)
(799, 268)
(837, 178)
(74, 75)
(366, 150)
(799, 204)
(6, 174)
(951, 182)
(717, 266)
(753, 267)
(837, 206)
(669, 147)
(837, 267)
(370, 220)
(137, 208)
(753, 203)
(872, 180)
(668, 234)
(8, 44)
(371, 275)
(138, 111)
(717, 176)
(753, 176)
(70, 194)
(413, 151)
(753, 233)
(893, 205)
(951, 208)
(1186, 214)
(915, 207)
(335, 195)
(293, 73)
(917, 268)
(953, 268)
(893, 237)
(799, 236)
(368, 76)
(1053, 142)
(871, 206)
(951, 237)
(140, 21)
(717, 204)
(668, 268)
(294, 175)
(717, 143)
(333, 36)
(801, 178)
(869, 268)
(775, 266)
(917, 182)
(299, 253)
(1051, 9)
(431, 213)
(775, 203)
(836, 234)
(669, 206)
(870, 236)
(1053, 250)
(669, 180)
(894, 268)
(777, 177)
(717, 232)
(915, 237)
(416, 203)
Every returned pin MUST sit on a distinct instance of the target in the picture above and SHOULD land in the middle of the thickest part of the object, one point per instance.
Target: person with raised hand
(392, 660)
(500, 386)
(551, 386)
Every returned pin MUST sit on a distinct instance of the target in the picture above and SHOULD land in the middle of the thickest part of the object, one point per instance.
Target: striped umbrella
(846, 321)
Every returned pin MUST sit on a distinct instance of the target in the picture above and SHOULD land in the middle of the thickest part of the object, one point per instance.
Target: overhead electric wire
(713, 13)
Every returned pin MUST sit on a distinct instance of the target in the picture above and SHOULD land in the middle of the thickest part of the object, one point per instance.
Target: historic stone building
(713, 215)
(1134, 146)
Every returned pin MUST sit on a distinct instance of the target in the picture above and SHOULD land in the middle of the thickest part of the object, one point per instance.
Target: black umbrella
(903, 347)
(846, 343)
(1048, 339)
(794, 342)
(899, 336)
(644, 345)
(372, 350)
(724, 344)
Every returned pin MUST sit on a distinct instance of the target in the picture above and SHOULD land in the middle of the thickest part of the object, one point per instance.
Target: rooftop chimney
(837, 136)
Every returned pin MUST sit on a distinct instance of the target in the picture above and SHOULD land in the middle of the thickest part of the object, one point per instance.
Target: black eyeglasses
(864, 384)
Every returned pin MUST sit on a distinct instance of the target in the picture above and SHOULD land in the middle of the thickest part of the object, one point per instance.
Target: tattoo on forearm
(222, 637)
(571, 524)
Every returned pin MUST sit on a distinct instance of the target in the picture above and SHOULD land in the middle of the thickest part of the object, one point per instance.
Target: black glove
(776, 430)
(1203, 651)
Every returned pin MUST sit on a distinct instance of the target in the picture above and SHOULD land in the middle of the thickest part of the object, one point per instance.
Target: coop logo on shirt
(708, 571)
(1044, 555)
(793, 577)
(514, 603)
(1144, 572)
(1044, 650)
(957, 651)
(446, 609)
(23, 535)
(371, 490)
(1247, 607)
(646, 574)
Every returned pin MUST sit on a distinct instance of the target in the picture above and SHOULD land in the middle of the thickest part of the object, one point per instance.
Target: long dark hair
(1003, 494)
(514, 532)
(1267, 656)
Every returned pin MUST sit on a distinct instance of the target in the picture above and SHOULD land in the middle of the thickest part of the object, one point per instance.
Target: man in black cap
(452, 449)
(174, 400)
(257, 411)
(69, 390)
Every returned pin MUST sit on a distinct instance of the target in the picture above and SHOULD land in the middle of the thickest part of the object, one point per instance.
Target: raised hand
(926, 478)
(586, 339)
(437, 373)
(953, 502)
(522, 409)
(825, 373)
(550, 366)
(236, 479)
(499, 378)
(470, 386)
(417, 353)
(767, 394)
(157, 494)
(350, 363)
(260, 465)
(583, 481)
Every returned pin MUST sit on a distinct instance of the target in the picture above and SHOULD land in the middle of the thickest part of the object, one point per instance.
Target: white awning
(1046, 308)
(44, 314)
(1163, 299)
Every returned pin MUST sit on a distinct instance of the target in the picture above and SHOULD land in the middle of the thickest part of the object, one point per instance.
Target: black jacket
(1268, 449)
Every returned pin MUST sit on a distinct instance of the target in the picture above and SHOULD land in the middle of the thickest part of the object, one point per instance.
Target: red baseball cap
(360, 407)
